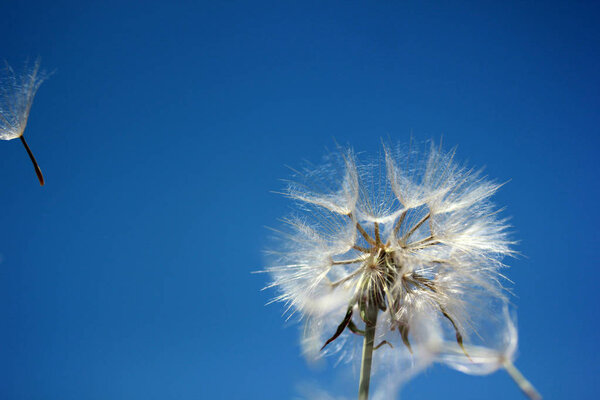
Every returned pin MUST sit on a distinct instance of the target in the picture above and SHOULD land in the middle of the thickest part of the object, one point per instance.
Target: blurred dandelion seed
(405, 253)
(16, 98)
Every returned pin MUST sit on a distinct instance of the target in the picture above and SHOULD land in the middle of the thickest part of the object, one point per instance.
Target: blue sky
(165, 128)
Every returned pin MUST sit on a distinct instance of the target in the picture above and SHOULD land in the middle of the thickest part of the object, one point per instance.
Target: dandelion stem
(377, 237)
(362, 231)
(38, 171)
(360, 248)
(399, 223)
(367, 353)
(346, 278)
(417, 226)
(422, 241)
(353, 261)
(520, 380)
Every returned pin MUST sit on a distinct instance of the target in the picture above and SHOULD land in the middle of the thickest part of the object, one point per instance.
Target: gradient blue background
(165, 127)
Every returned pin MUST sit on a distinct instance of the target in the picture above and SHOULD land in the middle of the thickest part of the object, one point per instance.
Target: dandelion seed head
(16, 97)
(414, 235)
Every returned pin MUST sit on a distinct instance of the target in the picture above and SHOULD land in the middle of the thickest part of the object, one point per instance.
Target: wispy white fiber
(415, 234)
(16, 97)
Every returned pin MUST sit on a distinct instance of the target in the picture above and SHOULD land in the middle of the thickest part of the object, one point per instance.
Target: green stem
(367, 354)
(520, 380)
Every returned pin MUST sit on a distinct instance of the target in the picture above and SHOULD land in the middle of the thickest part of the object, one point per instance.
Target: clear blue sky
(165, 128)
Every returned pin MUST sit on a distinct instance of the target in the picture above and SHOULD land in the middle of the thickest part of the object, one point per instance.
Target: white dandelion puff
(16, 97)
(406, 254)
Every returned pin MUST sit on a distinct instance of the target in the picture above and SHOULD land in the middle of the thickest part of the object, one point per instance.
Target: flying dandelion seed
(405, 253)
(16, 98)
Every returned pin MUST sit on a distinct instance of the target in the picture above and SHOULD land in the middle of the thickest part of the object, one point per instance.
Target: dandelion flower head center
(415, 238)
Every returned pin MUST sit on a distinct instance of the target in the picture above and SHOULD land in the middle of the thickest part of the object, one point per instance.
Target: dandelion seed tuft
(404, 254)
(16, 97)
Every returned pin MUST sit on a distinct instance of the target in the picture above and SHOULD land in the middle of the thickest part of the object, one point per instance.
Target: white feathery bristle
(415, 235)
(16, 97)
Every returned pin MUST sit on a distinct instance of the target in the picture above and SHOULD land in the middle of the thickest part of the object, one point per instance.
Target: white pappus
(404, 254)
(16, 97)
